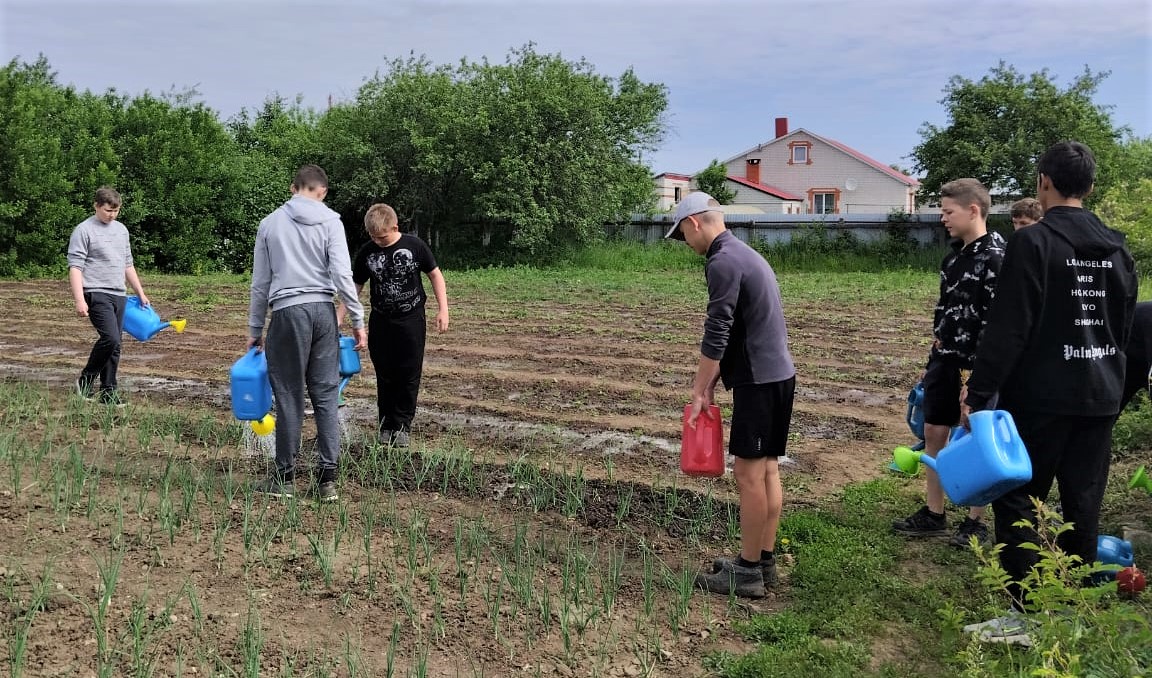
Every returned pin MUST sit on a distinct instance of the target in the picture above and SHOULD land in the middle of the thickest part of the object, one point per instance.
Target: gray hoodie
(301, 256)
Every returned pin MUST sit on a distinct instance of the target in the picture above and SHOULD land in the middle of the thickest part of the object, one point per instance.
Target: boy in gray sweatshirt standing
(99, 260)
(300, 261)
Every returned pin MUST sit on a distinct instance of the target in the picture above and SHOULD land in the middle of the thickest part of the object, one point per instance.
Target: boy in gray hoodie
(300, 261)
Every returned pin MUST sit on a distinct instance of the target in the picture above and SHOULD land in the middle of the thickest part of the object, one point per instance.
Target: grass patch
(863, 602)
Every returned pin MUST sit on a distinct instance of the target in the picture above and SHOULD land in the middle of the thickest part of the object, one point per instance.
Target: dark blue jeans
(106, 311)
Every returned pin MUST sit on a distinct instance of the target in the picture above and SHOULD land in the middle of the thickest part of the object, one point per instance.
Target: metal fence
(925, 229)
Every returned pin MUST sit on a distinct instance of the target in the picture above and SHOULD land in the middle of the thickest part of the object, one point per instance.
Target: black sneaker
(324, 492)
(745, 582)
(970, 528)
(84, 388)
(274, 487)
(113, 398)
(922, 524)
(767, 569)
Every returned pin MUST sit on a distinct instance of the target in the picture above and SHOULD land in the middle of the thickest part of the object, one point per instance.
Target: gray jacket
(301, 256)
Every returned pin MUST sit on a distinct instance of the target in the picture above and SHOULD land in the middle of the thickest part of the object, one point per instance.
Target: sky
(866, 73)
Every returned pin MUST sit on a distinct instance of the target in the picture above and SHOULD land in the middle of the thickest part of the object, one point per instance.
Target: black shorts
(941, 393)
(761, 414)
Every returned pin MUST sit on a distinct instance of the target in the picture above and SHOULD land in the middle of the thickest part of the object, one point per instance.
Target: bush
(1080, 630)
(813, 249)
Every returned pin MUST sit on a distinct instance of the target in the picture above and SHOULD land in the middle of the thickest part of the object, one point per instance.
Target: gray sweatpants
(303, 349)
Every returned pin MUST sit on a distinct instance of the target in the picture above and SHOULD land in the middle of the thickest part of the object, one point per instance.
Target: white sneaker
(1011, 629)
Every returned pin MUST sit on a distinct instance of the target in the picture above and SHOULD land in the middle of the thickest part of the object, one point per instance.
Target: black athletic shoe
(922, 524)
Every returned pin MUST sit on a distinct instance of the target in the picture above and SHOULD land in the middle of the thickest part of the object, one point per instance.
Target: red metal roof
(911, 181)
(764, 188)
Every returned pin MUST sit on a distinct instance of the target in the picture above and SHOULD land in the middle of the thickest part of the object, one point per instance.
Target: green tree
(711, 181)
(173, 161)
(999, 126)
(273, 142)
(1135, 159)
(56, 148)
(536, 153)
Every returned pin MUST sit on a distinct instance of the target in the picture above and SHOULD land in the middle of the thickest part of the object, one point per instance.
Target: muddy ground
(582, 390)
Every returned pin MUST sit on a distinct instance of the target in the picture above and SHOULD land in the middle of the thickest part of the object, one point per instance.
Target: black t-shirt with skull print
(395, 274)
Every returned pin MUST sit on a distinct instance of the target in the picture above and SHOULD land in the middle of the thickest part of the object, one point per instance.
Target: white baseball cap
(693, 204)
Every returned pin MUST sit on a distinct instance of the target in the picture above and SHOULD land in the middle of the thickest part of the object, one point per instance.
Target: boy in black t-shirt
(393, 261)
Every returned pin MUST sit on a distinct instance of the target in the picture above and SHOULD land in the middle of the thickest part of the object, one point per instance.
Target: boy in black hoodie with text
(1054, 350)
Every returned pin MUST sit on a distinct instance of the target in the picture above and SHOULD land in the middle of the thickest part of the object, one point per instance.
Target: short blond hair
(1028, 208)
(380, 218)
(968, 192)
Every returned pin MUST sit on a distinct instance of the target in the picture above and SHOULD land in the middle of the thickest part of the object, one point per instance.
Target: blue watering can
(915, 415)
(251, 390)
(1113, 551)
(142, 322)
(915, 419)
(980, 466)
(349, 361)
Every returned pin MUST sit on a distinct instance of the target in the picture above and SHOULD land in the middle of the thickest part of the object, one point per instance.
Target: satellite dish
(850, 184)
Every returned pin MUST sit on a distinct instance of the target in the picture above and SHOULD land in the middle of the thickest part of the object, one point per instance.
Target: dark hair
(106, 195)
(310, 177)
(1071, 167)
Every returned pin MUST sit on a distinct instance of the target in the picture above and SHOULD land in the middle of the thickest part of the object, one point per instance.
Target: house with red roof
(798, 172)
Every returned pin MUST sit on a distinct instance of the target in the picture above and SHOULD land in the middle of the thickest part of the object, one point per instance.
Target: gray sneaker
(745, 582)
(324, 492)
(767, 569)
(1011, 629)
(400, 439)
(386, 437)
(274, 487)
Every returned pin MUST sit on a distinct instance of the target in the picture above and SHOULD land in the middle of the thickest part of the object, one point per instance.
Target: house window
(824, 200)
(800, 153)
(676, 194)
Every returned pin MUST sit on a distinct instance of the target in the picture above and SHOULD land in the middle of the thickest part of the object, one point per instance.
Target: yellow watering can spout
(178, 324)
(263, 427)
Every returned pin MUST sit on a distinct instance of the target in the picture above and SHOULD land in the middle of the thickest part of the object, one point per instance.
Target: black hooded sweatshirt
(1060, 322)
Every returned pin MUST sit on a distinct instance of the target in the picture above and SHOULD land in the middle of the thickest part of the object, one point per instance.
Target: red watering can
(702, 448)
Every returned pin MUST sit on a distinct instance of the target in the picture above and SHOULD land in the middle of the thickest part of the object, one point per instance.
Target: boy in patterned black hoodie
(967, 286)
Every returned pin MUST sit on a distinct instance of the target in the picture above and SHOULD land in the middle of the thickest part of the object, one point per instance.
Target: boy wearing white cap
(745, 344)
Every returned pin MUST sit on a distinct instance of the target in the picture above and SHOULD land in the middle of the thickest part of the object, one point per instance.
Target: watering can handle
(1005, 427)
